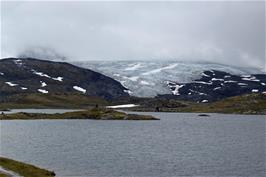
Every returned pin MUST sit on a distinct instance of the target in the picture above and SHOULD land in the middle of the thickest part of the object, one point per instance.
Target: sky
(231, 33)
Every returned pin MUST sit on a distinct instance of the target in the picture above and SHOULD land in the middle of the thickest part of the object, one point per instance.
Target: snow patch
(202, 82)
(202, 93)
(79, 89)
(255, 90)
(217, 88)
(204, 101)
(242, 84)
(251, 78)
(58, 79)
(215, 79)
(43, 84)
(18, 62)
(40, 74)
(203, 74)
(1, 73)
(11, 84)
(24, 88)
(123, 106)
(42, 91)
(128, 91)
(230, 81)
(176, 91)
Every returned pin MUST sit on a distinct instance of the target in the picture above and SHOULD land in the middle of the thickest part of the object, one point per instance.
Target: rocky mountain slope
(28, 75)
(215, 85)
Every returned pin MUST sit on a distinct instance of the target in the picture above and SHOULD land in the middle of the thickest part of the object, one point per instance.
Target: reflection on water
(177, 145)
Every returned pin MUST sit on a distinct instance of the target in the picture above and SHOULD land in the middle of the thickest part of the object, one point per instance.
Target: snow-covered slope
(149, 78)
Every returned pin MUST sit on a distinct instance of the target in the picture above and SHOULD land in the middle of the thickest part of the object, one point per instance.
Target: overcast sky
(223, 32)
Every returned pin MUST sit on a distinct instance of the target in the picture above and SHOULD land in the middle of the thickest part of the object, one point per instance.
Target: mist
(231, 33)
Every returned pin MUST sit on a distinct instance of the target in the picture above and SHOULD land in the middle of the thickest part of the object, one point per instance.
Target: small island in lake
(95, 113)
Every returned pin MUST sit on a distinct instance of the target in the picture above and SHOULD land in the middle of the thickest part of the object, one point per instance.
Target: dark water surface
(180, 144)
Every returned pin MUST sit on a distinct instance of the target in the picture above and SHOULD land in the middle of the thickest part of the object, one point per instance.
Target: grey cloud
(224, 32)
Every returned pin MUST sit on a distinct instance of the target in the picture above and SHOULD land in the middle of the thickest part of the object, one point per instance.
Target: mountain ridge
(30, 75)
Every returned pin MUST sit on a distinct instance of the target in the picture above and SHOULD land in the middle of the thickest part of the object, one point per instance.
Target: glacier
(149, 78)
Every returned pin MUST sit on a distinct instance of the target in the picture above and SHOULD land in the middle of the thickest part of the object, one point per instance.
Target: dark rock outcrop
(215, 85)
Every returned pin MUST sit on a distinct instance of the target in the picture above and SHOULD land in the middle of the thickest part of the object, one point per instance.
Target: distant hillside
(28, 75)
(245, 104)
(215, 85)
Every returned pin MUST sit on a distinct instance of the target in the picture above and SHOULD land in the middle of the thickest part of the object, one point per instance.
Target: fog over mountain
(231, 33)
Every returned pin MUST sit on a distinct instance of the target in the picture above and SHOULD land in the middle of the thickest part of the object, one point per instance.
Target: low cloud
(224, 32)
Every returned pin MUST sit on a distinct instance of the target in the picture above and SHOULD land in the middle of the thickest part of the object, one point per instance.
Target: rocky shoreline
(95, 114)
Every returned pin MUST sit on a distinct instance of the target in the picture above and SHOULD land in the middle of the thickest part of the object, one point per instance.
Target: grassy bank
(3, 175)
(24, 169)
(244, 104)
(98, 114)
(71, 101)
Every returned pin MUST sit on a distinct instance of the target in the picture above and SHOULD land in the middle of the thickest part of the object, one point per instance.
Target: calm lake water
(180, 144)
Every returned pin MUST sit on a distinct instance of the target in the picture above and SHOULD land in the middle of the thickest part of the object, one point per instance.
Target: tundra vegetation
(23, 169)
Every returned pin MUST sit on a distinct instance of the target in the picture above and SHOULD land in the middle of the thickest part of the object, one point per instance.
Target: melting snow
(41, 74)
(215, 79)
(246, 76)
(11, 84)
(128, 91)
(227, 76)
(202, 93)
(79, 89)
(242, 84)
(202, 82)
(123, 106)
(43, 84)
(176, 92)
(18, 62)
(230, 81)
(203, 74)
(23, 88)
(42, 91)
(58, 79)
(204, 101)
(255, 90)
(251, 79)
(263, 83)
(217, 88)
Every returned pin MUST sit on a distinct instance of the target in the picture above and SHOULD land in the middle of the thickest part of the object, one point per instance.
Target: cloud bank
(225, 32)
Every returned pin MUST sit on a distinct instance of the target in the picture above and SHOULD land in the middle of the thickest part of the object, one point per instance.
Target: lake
(180, 144)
